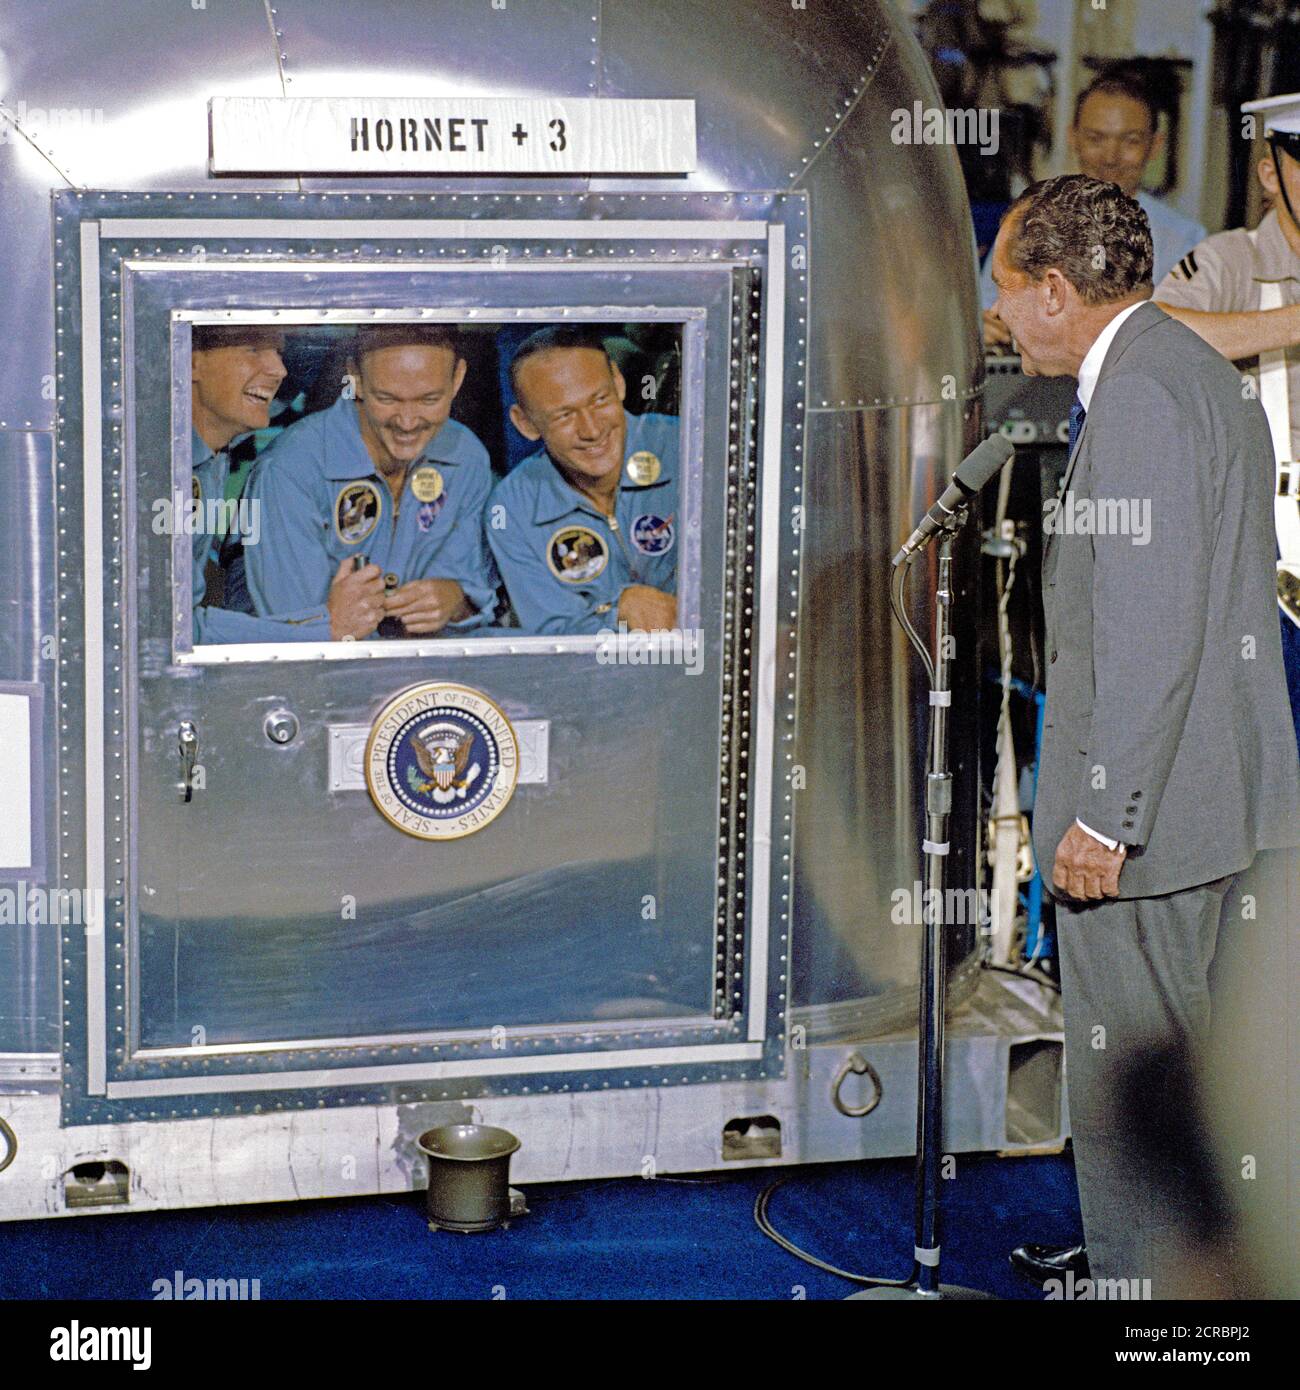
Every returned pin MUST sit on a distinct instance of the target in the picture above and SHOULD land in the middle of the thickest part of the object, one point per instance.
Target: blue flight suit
(321, 499)
(309, 624)
(564, 562)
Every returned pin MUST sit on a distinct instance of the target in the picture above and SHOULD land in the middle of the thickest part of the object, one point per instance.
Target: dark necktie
(1077, 416)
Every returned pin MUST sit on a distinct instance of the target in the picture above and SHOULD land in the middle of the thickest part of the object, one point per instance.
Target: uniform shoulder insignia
(1186, 268)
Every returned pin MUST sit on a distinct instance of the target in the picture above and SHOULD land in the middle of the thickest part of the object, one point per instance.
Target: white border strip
(532, 1065)
(416, 266)
(446, 229)
(232, 653)
(764, 714)
(92, 441)
(575, 1032)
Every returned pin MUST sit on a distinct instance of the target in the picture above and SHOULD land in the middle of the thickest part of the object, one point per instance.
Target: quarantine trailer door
(293, 917)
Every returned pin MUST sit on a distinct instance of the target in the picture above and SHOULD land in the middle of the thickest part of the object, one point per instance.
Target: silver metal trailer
(692, 932)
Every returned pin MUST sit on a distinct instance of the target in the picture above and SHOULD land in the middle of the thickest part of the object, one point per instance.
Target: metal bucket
(469, 1176)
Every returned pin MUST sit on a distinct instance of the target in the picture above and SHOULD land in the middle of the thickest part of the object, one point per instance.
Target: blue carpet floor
(680, 1238)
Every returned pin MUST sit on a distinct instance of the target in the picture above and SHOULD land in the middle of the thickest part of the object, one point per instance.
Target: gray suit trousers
(1135, 987)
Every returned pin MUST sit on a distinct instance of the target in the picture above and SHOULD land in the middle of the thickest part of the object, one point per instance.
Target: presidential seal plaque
(442, 761)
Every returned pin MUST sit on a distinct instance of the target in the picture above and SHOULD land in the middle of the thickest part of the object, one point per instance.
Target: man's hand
(644, 609)
(996, 333)
(356, 600)
(1085, 869)
(426, 606)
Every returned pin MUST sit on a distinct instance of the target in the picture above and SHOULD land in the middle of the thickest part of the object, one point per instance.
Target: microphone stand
(924, 1280)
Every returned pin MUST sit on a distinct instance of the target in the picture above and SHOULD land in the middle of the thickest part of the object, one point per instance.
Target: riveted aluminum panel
(29, 952)
(861, 740)
(100, 95)
(895, 313)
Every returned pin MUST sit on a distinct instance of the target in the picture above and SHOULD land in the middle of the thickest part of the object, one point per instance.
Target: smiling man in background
(1114, 137)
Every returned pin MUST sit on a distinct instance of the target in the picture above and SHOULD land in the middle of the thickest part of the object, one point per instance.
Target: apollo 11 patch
(356, 512)
(576, 554)
(442, 761)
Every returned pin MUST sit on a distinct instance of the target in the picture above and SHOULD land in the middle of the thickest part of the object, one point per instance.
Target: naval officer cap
(1281, 117)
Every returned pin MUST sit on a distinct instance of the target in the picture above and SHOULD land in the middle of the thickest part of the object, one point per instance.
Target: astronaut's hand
(426, 606)
(996, 333)
(644, 609)
(1085, 869)
(356, 600)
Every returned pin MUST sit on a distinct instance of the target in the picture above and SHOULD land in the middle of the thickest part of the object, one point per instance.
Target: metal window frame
(690, 317)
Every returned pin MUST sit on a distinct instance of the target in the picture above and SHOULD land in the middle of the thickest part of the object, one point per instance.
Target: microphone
(972, 473)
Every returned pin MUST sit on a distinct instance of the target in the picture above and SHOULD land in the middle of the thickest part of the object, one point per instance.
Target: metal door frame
(768, 231)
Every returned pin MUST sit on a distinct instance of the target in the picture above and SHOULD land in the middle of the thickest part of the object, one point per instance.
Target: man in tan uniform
(1240, 290)
(1219, 288)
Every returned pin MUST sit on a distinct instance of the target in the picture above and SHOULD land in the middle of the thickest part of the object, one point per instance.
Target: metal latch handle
(188, 744)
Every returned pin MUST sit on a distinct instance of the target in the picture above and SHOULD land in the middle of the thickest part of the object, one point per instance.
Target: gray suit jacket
(1167, 723)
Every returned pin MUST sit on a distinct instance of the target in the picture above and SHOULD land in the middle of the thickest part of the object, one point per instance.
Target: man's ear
(458, 377)
(619, 384)
(1267, 175)
(1056, 288)
(195, 361)
(1157, 144)
(519, 419)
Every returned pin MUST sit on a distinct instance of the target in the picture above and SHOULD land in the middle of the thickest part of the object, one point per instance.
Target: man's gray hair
(1091, 231)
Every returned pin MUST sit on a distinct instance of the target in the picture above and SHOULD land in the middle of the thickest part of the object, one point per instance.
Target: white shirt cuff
(1105, 839)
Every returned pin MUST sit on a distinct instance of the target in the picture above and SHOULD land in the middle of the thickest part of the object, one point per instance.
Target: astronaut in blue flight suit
(386, 481)
(235, 371)
(585, 530)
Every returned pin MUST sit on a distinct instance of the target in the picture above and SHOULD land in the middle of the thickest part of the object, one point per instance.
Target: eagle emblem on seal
(445, 774)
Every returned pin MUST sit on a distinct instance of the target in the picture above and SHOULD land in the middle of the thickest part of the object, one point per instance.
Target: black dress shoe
(1043, 1262)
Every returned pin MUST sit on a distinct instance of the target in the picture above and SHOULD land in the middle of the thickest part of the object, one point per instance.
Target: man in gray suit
(1168, 756)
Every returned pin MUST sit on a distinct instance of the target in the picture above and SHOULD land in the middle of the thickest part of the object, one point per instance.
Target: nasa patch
(576, 554)
(442, 761)
(653, 535)
(356, 512)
